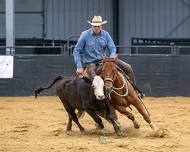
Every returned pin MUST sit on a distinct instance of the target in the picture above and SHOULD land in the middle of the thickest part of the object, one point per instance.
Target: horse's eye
(93, 86)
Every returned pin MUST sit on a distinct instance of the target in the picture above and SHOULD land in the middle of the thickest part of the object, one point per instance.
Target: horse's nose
(109, 89)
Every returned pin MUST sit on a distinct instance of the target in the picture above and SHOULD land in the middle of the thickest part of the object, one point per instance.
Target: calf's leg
(75, 119)
(95, 117)
(73, 116)
(69, 125)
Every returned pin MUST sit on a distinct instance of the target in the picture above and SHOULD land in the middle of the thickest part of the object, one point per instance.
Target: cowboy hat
(97, 21)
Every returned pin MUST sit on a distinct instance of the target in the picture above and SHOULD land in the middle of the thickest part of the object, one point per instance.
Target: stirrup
(141, 95)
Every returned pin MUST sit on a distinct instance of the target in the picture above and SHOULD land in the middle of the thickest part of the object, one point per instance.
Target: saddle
(93, 69)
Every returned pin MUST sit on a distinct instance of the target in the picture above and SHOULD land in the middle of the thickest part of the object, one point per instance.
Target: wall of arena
(155, 75)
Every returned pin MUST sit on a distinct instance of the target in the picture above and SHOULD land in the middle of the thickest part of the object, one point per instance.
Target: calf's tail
(37, 91)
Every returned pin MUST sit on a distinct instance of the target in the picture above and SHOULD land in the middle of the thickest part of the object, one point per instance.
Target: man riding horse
(92, 46)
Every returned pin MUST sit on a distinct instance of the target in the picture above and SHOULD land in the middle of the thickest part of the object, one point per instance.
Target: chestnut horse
(121, 92)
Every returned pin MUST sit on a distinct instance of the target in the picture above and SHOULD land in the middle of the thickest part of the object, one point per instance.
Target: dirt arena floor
(29, 125)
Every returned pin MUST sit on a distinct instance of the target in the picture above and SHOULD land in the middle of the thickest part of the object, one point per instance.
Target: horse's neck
(118, 81)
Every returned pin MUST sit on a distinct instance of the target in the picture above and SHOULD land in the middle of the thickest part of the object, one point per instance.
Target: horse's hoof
(136, 125)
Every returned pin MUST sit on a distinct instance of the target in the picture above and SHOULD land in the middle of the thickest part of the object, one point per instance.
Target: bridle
(108, 79)
(114, 89)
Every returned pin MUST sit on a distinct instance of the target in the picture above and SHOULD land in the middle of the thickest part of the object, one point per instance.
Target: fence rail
(67, 49)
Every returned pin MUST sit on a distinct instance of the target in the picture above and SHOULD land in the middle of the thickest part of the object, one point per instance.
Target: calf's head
(98, 85)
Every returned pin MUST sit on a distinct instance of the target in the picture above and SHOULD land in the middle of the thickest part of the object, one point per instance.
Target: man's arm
(77, 57)
(77, 50)
(111, 46)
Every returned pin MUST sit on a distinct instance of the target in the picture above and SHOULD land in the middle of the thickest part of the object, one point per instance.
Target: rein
(125, 84)
(123, 80)
(114, 90)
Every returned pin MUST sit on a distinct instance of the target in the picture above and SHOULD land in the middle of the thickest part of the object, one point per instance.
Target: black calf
(79, 94)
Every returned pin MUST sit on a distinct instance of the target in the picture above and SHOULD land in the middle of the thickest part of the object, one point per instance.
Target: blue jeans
(127, 69)
(121, 64)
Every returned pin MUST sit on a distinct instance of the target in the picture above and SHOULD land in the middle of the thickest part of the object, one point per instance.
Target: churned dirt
(38, 125)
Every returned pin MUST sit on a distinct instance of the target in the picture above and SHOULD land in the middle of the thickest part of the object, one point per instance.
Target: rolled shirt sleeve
(111, 46)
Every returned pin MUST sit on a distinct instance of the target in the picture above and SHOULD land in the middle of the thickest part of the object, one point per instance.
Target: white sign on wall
(6, 66)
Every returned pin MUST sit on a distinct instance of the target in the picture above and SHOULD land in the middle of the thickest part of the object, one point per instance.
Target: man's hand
(81, 72)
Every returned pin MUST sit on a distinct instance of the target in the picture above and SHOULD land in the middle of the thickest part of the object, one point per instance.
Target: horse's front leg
(139, 106)
(123, 110)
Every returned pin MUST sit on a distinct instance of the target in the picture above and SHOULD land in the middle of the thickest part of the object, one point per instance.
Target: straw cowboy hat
(97, 21)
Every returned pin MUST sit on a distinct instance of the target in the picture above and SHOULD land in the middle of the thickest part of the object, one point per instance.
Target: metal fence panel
(155, 75)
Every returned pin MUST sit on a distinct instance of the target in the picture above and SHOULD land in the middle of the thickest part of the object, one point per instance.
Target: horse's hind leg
(123, 110)
(139, 106)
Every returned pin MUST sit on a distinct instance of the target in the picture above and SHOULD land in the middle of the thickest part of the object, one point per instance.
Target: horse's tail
(37, 91)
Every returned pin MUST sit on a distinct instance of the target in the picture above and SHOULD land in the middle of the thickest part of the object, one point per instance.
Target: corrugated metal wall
(28, 18)
(68, 17)
(63, 18)
(154, 18)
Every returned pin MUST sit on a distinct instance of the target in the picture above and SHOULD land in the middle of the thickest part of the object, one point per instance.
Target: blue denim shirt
(91, 47)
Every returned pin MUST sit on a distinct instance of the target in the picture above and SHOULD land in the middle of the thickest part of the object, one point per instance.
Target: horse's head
(98, 85)
(109, 72)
